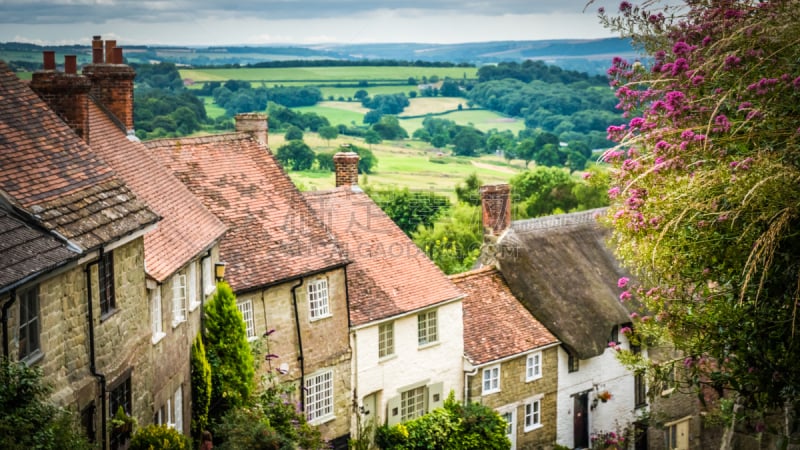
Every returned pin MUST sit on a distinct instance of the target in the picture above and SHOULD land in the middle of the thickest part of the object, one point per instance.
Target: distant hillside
(592, 56)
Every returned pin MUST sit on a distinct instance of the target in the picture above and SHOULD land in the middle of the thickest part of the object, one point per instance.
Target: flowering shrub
(705, 204)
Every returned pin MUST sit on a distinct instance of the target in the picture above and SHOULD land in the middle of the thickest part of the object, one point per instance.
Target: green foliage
(366, 159)
(453, 427)
(295, 155)
(293, 133)
(543, 191)
(328, 133)
(409, 209)
(388, 128)
(453, 243)
(159, 437)
(325, 161)
(27, 419)
(705, 206)
(469, 192)
(201, 387)
(228, 352)
(467, 141)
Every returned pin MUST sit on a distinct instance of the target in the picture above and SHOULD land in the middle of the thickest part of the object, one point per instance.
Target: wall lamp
(219, 271)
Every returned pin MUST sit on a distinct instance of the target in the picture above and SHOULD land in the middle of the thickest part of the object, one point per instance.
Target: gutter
(300, 357)
(101, 378)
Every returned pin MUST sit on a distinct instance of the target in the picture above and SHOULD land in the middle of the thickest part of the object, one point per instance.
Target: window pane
(318, 299)
(246, 308)
(319, 396)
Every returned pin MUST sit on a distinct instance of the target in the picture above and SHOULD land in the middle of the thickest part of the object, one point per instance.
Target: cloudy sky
(229, 22)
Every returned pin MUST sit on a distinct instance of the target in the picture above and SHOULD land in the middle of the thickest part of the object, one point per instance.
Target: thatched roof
(562, 270)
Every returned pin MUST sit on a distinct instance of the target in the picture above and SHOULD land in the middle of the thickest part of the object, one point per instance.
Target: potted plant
(604, 396)
(122, 424)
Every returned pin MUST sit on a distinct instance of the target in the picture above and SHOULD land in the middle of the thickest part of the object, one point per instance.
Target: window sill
(252, 338)
(314, 319)
(383, 359)
(193, 306)
(493, 391)
(107, 315)
(539, 377)
(175, 323)
(532, 428)
(33, 358)
(157, 337)
(321, 420)
(427, 345)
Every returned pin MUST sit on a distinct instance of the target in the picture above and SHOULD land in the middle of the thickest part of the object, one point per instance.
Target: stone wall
(514, 390)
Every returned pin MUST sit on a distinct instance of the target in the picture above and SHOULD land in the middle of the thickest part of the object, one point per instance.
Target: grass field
(405, 164)
(327, 74)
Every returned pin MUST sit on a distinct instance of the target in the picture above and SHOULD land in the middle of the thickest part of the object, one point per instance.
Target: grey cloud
(76, 11)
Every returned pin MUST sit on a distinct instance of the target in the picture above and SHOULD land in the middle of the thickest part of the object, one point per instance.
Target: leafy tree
(440, 140)
(293, 133)
(228, 352)
(325, 161)
(372, 117)
(526, 150)
(201, 387)
(705, 205)
(453, 427)
(27, 419)
(360, 95)
(328, 133)
(295, 155)
(544, 191)
(469, 192)
(372, 137)
(409, 209)
(550, 156)
(467, 141)
(454, 241)
(366, 159)
(450, 88)
(388, 127)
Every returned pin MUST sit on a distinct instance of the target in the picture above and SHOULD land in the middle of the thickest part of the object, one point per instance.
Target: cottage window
(386, 339)
(178, 299)
(106, 274)
(177, 410)
(318, 306)
(533, 366)
(412, 403)
(677, 434)
(156, 318)
(533, 413)
(573, 363)
(639, 390)
(246, 308)
(319, 397)
(120, 397)
(491, 380)
(29, 324)
(194, 300)
(426, 328)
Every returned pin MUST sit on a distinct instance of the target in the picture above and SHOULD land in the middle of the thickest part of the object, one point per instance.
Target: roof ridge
(232, 136)
(558, 220)
(473, 273)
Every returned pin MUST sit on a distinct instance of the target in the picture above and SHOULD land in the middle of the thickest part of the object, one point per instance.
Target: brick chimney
(67, 93)
(496, 208)
(254, 124)
(112, 81)
(346, 164)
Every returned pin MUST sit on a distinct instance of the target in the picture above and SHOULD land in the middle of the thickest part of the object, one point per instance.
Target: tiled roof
(496, 324)
(389, 275)
(272, 233)
(561, 268)
(27, 250)
(187, 227)
(51, 173)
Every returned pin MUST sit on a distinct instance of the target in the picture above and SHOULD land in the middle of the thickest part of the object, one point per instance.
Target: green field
(327, 74)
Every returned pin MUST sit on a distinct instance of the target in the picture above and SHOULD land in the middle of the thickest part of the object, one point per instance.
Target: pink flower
(586, 175)
(622, 282)
(626, 330)
(613, 192)
(625, 296)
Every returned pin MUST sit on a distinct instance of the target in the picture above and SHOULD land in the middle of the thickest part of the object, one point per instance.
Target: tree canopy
(706, 201)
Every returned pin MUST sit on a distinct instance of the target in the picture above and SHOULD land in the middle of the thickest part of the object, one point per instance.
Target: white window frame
(532, 409)
(490, 380)
(386, 340)
(533, 366)
(318, 299)
(156, 316)
(319, 404)
(427, 328)
(178, 300)
(177, 406)
(245, 307)
(413, 403)
(511, 425)
(208, 277)
(194, 299)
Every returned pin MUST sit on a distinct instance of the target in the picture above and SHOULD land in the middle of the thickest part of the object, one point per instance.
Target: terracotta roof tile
(272, 233)
(27, 250)
(187, 227)
(50, 172)
(496, 324)
(389, 275)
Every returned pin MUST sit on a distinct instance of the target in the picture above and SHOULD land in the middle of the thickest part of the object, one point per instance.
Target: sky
(304, 22)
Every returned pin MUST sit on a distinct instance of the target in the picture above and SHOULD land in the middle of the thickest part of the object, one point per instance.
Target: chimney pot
(71, 64)
(255, 124)
(110, 44)
(117, 55)
(49, 59)
(496, 208)
(346, 164)
(97, 50)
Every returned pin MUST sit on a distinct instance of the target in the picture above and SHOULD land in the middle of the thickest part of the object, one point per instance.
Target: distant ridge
(585, 55)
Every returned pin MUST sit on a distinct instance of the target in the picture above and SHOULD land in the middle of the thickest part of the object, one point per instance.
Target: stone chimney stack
(67, 93)
(496, 208)
(346, 164)
(255, 124)
(112, 81)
